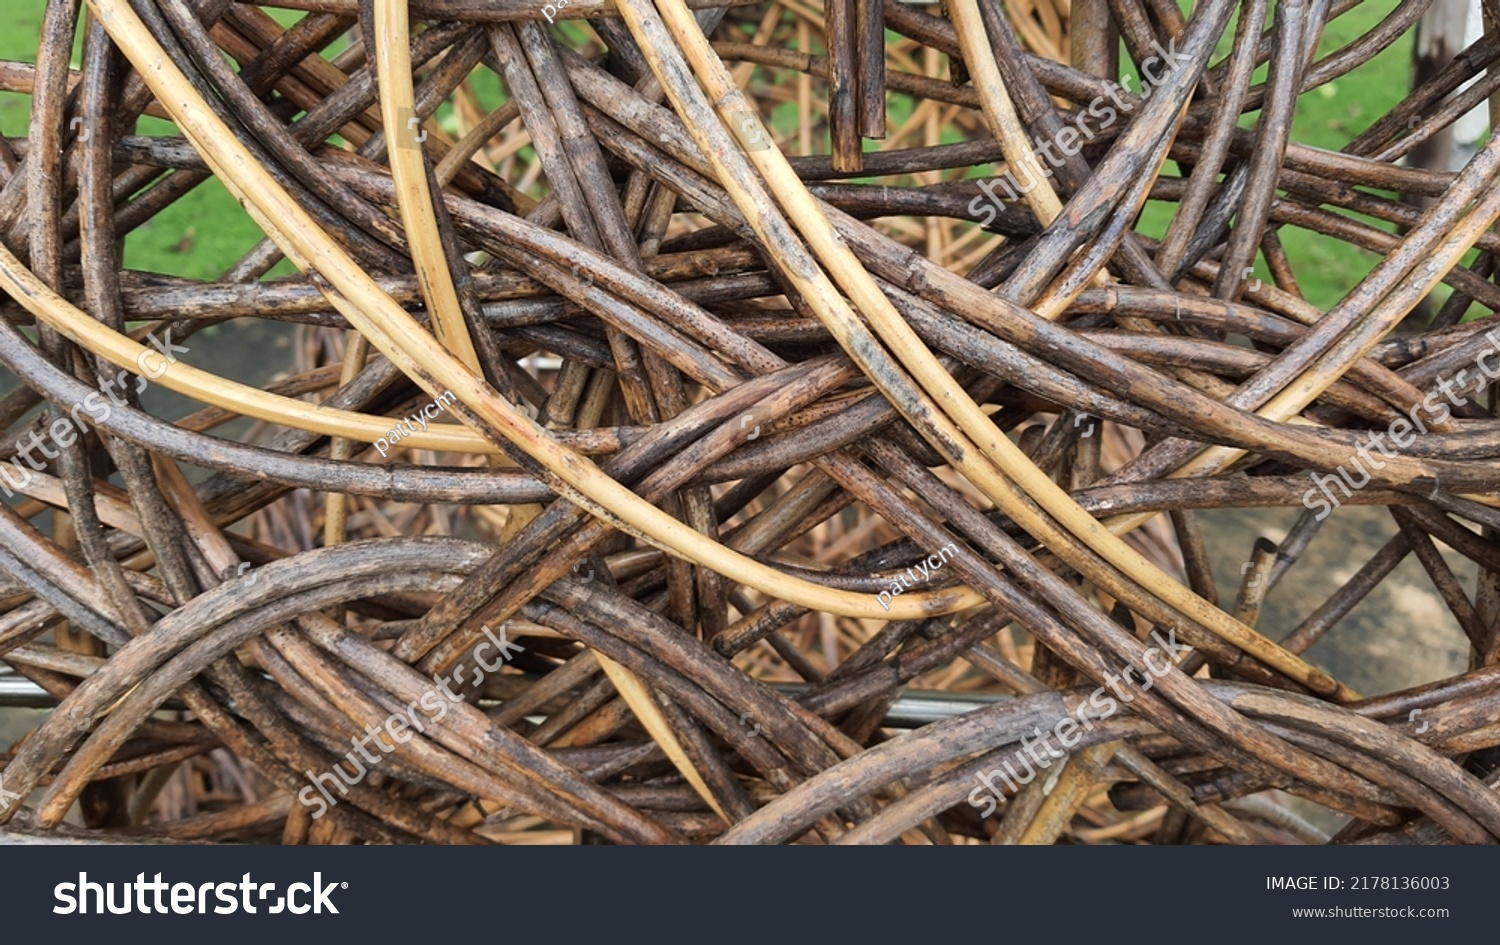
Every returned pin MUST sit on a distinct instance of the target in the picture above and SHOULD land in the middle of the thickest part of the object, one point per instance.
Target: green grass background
(204, 233)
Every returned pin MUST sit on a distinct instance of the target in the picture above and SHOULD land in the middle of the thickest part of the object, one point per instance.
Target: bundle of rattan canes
(658, 421)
